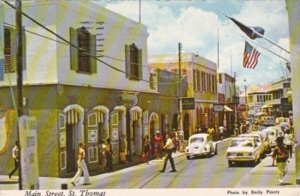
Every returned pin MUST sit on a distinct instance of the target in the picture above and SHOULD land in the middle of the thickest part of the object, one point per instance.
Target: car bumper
(197, 153)
(240, 158)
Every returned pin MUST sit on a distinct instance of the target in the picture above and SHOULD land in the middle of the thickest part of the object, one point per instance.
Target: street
(211, 172)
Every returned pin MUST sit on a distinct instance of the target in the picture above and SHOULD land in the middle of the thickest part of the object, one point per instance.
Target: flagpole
(265, 48)
(257, 33)
(140, 12)
(270, 41)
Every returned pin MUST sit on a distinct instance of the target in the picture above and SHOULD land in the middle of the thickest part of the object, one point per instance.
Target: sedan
(200, 144)
(243, 150)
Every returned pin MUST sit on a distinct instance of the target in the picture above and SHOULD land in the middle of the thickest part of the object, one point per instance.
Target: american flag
(250, 56)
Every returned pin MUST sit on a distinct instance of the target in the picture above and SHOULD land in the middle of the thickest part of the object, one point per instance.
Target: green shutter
(24, 48)
(140, 64)
(13, 41)
(73, 50)
(93, 61)
(127, 61)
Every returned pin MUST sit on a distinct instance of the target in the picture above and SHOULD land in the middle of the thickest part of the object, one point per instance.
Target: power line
(71, 44)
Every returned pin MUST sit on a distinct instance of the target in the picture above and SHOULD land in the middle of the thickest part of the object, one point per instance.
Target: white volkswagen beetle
(200, 144)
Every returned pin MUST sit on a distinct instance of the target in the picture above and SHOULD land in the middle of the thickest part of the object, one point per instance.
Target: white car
(262, 145)
(242, 150)
(271, 133)
(200, 144)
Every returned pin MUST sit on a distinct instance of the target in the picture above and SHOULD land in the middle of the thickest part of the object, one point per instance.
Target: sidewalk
(48, 183)
(267, 174)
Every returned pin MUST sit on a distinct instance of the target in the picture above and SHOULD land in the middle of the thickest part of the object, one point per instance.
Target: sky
(199, 24)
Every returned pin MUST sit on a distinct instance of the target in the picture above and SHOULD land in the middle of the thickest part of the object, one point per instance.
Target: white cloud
(197, 30)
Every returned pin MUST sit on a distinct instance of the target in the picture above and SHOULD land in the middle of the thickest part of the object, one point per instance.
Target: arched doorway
(74, 134)
(136, 130)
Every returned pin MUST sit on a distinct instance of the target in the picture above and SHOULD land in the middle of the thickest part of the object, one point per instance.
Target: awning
(227, 109)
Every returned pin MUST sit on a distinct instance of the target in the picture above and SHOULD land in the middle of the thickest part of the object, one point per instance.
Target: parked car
(242, 150)
(270, 134)
(200, 144)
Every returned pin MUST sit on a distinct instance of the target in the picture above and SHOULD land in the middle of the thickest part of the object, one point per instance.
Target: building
(227, 97)
(201, 77)
(281, 103)
(84, 81)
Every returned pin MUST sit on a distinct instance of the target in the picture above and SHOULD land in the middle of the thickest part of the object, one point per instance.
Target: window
(83, 60)
(203, 81)
(133, 62)
(10, 50)
(195, 80)
(198, 81)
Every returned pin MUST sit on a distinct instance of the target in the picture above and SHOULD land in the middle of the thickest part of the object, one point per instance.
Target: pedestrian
(109, 155)
(198, 130)
(169, 148)
(15, 156)
(81, 167)
(280, 153)
(158, 141)
(146, 148)
(236, 130)
(102, 155)
(221, 132)
(123, 149)
(289, 142)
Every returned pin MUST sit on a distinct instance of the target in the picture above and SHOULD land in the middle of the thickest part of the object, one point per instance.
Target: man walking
(281, 155)
(81, 167)
(169, 148)
(15, 156)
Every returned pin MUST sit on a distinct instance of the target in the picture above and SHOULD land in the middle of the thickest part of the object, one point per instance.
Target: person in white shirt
(289, 141)
(221, 132)
(81, 167)
(169, 148)
(15, 156)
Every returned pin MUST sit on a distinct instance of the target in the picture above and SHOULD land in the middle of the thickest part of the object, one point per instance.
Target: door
(92, 139)
(114, 135)
(62, 143)
(71, 154)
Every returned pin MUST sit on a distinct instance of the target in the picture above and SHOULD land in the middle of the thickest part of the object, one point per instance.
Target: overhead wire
(66, 42)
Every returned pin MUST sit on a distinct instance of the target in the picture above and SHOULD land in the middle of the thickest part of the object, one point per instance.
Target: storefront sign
(188, 103)
(128, 99)
(218, 107)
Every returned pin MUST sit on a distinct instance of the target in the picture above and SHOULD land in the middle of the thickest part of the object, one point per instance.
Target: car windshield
(197, 140)
(241, 143)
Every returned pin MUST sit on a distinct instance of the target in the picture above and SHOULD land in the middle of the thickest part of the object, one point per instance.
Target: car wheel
(188, 157)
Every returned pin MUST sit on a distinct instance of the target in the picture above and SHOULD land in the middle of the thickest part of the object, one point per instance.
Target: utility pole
(246, 102)
(179, 89)
(19, 67)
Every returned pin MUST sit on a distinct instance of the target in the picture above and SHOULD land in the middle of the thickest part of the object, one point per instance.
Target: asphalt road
(211, 172)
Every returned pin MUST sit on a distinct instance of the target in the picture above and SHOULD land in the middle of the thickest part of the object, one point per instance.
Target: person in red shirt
(158, 140)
